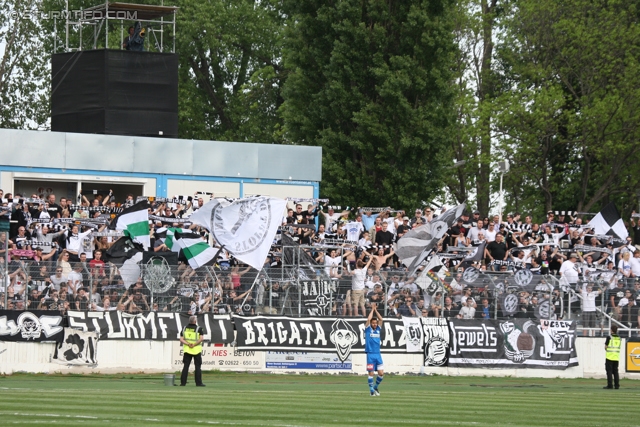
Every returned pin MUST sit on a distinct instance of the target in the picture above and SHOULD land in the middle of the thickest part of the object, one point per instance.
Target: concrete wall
(115, 356)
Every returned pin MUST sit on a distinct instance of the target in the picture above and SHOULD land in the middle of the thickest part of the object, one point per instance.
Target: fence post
(5, 278)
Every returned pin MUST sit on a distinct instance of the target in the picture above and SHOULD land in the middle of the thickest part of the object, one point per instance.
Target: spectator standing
(408, 309)
(589, 305)
(496, 250)
(358, 278)
(468, 310)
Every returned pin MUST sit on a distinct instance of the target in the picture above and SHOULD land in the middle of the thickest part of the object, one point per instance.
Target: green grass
(313, 400)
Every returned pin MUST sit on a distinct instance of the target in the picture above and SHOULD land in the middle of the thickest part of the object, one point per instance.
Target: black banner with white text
(34, 326)
(149, 326)
(343, 336)
(517, 343)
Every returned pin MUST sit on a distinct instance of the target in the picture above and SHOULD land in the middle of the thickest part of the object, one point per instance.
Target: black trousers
(612, 373)
(197, 359)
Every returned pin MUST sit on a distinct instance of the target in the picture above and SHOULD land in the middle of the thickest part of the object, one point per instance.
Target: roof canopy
(144, 12)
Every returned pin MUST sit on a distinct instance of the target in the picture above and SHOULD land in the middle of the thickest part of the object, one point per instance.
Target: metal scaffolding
(96, 20)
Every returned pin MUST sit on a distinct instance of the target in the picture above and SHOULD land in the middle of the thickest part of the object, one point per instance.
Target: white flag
(246, 227)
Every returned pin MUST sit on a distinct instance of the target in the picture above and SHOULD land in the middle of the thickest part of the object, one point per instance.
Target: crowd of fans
(61, 266)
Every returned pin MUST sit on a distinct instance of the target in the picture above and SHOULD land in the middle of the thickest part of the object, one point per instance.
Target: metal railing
(289, 289)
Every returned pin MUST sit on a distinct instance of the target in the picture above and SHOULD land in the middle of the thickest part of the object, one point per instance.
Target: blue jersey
(372, 340)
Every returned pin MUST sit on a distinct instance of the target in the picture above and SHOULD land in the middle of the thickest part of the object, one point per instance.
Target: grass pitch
(313, 400)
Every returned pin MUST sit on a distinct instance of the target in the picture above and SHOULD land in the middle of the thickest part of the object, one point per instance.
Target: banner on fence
(428, 335)
(35, 326)
(149, 326)
(318, 296)
(328, 335)
(517, 343)
(306, 360)
(223, 357)
(437, 339)
(77, 348)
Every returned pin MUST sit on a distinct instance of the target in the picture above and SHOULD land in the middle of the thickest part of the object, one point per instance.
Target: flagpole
(250, 289)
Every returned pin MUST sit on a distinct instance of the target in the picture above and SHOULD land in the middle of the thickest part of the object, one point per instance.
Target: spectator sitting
(408, 308)
(468, 310)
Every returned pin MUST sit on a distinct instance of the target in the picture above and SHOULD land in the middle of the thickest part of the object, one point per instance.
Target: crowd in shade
(62, 258)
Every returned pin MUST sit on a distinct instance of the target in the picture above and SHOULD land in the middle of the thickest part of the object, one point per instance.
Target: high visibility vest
(613, 348)
(192, 336)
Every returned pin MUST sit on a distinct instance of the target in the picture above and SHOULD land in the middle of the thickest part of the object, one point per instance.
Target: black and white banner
(429, 335)
(318, 296)
(77, 348)
(342, 336)
(149, 326)
(35, 326)
(517, 343)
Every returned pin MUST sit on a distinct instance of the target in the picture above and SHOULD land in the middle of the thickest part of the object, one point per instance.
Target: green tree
(370, 82)
(230, 70)
(24, 73)
(571, 123)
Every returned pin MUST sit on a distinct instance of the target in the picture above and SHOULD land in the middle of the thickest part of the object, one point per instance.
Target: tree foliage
(24, 74)
(230, 70)
(571, 122)
(395, 91)
(370, 83)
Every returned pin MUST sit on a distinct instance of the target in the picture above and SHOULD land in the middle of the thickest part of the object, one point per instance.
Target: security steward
(612, 348)
(191, 338)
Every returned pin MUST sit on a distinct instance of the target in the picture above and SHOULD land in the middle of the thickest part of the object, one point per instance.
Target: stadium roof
(39, 149)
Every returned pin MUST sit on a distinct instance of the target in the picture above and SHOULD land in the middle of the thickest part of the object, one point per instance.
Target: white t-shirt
(76, 279)
(358, 278)
(569, 271)
(353, 230)
(588, 299)
(635, 266)
(489, 235)
(456, 287)
(467, 312)
(625, 267)
(473, 233)
(331, 262)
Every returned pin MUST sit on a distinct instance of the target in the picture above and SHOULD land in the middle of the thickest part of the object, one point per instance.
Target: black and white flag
(77, 348)
(417, 244)
(609, 222)
(246, 228)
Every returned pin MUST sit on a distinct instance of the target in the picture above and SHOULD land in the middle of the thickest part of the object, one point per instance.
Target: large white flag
(246, 227)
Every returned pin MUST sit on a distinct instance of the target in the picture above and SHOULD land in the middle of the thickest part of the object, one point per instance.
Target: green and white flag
(197, 252)
(134, 223)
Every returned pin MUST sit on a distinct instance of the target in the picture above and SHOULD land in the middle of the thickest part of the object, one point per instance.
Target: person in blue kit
(372, 348)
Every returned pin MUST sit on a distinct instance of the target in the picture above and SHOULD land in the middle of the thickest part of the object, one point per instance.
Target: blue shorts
(374, 362)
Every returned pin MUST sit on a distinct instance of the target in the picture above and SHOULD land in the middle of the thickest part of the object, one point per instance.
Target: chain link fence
(291, 287)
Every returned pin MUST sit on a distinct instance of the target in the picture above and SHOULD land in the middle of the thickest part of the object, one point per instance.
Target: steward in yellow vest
(612, 347)
(191, 338)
